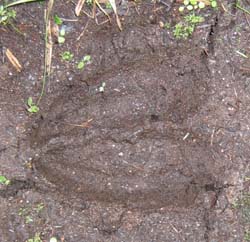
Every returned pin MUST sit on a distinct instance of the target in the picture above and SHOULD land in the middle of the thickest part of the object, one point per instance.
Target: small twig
(223, 7)
(69, 20)
(84, 29)
(187, 134)
(83, 125)
(175, 229)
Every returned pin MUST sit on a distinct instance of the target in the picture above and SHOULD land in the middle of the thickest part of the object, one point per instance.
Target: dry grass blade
(100, 7)
(49, 42)
(82, 125)
(13, 60)
(49, 45)
(49, 8)
(113, 4)
(79, 7)
(19, 2)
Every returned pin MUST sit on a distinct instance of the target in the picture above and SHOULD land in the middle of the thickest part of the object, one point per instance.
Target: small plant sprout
(85, 60)
(182, 31)
(28, 219)
(89, 2)
(61, 36)
(108, 5)
(4, 180)
(193, 19)
(32, 107)
(36, 238)
(53, 239)
(181, 8)
(102, 87)
(213, 4)
(185, 28)
(58, 20)
(197, 4)
(167, 25)
(6, 15)
(193, 2)
(201, 5)
(67, 56)
(39, 207)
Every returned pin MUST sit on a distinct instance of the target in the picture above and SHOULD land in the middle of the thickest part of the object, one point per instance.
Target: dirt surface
(161, 155)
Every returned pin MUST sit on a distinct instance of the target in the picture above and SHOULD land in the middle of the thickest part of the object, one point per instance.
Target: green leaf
(108, 5)
(35, 239)
(30, 101)
(67, 56)
(33, 108)
(193, 2)
(4, 180)
(201, 5)
(213, 4)
(58, 20)
(62, 32)
(87, 58)
(53, 239)
(181, 8)
(167, 25)
(80, 65)
(61, 39)
(28, 219)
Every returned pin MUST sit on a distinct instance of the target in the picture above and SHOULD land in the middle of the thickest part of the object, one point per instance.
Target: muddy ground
(161, 155)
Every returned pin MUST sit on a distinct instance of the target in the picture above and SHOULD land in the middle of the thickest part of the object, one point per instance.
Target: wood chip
(13, 60)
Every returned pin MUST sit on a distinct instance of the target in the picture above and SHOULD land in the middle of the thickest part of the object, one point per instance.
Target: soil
(160, 155)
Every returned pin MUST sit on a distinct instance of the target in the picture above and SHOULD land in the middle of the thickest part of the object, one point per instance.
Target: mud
(132, 151)
(159, 155)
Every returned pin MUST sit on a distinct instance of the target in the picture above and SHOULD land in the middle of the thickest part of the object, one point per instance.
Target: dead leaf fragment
(13, 60)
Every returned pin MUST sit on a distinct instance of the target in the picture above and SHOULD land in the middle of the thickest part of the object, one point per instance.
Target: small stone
(161, 24)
